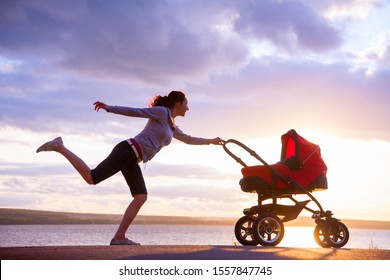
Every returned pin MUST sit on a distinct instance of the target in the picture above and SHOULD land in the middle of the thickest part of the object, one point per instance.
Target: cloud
(155, 41)
(46, 186)
(353, 9)
(271, 96)
(184, 171)
(376, 56)
(138, 40)
(289, 25)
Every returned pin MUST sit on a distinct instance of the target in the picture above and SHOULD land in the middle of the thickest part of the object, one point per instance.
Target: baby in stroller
(301, 170)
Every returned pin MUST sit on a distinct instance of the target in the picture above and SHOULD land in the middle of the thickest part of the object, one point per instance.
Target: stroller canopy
(298, 153)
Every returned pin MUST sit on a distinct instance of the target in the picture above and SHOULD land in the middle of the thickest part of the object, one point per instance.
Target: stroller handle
(246, 148)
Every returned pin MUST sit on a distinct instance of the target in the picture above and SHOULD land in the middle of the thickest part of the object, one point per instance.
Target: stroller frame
(261, 223)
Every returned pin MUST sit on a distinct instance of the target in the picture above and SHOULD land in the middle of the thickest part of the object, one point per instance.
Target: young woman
(125, 157)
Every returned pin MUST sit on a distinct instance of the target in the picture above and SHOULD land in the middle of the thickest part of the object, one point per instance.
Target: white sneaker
(48, 146)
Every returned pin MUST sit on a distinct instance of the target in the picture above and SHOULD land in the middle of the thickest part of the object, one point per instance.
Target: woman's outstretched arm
(156, 113)
(188, 139)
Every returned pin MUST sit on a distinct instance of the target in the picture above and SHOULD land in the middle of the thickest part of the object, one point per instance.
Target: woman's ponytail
(168, 101)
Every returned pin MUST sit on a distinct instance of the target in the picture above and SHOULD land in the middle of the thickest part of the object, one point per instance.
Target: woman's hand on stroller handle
(217, 141)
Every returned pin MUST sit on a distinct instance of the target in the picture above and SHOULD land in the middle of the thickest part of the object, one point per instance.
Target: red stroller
(301, 170)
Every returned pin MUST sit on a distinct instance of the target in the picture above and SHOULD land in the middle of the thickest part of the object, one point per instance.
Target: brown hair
(168, 100)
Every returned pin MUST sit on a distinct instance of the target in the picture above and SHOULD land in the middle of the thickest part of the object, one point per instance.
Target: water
(70, 235)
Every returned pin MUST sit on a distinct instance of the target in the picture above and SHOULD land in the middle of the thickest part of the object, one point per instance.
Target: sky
(251, 70)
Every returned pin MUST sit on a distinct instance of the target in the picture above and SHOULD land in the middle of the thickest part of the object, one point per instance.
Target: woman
(126, 155)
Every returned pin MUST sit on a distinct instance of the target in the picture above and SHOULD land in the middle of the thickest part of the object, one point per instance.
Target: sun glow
(300, 237)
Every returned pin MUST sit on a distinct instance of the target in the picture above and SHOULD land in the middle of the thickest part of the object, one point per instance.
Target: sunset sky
(252, 70)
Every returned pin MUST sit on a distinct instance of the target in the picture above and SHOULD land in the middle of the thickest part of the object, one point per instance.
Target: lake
(70, 235)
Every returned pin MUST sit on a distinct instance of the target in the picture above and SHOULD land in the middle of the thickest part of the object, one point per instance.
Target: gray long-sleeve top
(158, 131)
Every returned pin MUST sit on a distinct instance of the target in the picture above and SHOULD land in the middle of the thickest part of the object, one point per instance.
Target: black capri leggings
(122, 158)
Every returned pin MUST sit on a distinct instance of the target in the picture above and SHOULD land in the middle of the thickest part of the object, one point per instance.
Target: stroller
(301, 170)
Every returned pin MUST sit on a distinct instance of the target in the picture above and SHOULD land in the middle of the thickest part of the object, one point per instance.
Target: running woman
(126, 156)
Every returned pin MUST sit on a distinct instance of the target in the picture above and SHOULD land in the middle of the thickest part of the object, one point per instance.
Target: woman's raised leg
(58, 146)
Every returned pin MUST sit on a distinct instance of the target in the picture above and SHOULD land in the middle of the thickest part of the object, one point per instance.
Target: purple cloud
(69, 54)
(289, 25)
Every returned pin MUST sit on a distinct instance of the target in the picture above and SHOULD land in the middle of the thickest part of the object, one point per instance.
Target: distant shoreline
(10, 216)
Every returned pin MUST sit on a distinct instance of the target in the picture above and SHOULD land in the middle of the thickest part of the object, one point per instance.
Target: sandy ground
(184, 252)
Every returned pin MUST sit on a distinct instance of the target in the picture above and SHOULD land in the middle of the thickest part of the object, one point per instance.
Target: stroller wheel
(268, 229)
(338, 236)
(321, 236)
(244, 231)
(331, 236)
